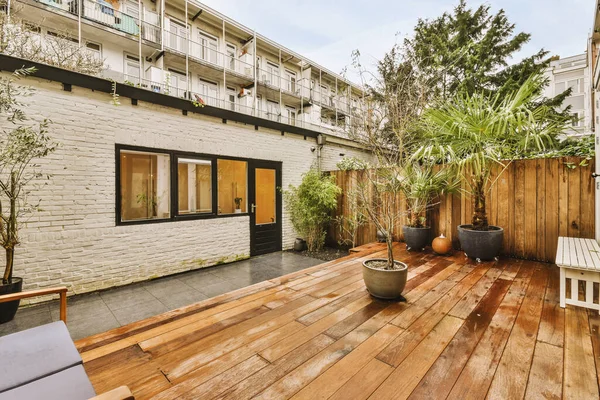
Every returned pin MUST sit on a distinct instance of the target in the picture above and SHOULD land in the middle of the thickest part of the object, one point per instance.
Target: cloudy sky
(326, 31)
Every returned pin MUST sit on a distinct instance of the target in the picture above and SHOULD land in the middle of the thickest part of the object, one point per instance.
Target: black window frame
(174, 184)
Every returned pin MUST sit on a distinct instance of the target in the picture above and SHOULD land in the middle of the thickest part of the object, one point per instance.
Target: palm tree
(420, 186)
(472, 133)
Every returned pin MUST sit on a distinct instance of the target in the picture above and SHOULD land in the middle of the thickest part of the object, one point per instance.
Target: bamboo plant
(474, 133)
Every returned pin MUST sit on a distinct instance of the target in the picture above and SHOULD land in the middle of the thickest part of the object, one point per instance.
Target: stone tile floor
(92, 313)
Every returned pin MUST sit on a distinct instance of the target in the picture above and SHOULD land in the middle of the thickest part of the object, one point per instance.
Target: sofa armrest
(120, 393)
(61, 290)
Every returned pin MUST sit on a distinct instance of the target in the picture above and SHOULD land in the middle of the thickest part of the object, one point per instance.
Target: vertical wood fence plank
(587, 198)
(563, 198)
(503, 215)
(574, 181)
(540, 211)
(530, 210)
(519, 210)
(552, 207)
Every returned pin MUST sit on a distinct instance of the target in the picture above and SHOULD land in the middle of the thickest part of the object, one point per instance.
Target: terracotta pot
(441, 245)
(385, 284)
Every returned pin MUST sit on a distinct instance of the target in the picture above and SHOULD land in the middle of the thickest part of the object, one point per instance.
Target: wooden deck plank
(510, 379)
(469, 330)
(545, 379)
(476, 377)
(579, 367)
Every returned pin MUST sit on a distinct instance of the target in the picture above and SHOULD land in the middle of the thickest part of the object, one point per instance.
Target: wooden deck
(467, 331)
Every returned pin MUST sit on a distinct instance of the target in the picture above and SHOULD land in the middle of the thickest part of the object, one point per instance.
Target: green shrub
(310, 205)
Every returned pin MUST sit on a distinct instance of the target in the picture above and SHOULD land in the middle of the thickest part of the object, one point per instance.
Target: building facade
(156, 185)
(573, 73)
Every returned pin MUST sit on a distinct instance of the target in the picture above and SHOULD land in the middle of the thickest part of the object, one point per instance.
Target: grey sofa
(42, 363)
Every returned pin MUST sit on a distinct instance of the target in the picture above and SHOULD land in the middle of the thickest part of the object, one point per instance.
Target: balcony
(103, 13)
(239, 68)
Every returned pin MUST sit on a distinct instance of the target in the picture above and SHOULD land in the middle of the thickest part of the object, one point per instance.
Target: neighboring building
(155, 185)
(573, 72)
(594, 74)
(186, 49)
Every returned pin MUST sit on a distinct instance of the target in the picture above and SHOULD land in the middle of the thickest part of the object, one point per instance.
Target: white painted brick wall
(74, 240)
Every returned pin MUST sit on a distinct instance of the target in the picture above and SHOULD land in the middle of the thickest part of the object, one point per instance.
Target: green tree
(310, 205)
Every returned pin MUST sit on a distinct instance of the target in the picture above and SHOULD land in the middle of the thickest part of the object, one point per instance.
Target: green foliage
(421, 185)
(474, 132)
(310, 205)
(573, 147)
(22, 144)
(351, 164)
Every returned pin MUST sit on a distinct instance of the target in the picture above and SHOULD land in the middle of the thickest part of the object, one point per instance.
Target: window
(231, 52)
(231, 98)
(290, 84)
(145, 185)
(209, 92)
(177, 83)
(576, 119)
(290, 113)
(178, 35)
(208, 47)
(272, 74)
(194, 186)
(232, 186)
(273, 110)
(132, 69)
(94, 49)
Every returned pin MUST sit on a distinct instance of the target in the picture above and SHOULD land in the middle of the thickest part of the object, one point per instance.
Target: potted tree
(379, 192)
(420, 186)
(238, 205)
(22, 143)
(474, 132)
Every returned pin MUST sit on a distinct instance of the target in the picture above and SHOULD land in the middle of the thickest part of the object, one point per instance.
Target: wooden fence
(535, 201)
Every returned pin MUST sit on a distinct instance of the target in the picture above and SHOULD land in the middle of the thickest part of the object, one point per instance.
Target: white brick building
(155, 186)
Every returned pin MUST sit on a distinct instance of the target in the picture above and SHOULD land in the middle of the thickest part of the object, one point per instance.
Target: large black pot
(416, 238)
(481, 245)
(9, 309)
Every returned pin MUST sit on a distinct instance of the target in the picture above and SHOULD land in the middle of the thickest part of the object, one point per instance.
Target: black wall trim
(9, 64)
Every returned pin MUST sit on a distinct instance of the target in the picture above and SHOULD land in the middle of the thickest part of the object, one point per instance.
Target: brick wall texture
(74, 240)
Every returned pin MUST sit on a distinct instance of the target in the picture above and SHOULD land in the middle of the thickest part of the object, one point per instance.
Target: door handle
(252, 207)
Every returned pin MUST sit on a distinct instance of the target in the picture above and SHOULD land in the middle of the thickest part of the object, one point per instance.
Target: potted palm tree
(420, 186)
(472, 133)
(22, 143)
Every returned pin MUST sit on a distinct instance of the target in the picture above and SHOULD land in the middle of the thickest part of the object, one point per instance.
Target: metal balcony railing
(207, 53)
(102, 12)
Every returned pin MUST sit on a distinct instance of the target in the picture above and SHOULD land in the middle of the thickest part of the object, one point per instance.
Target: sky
(327, 31)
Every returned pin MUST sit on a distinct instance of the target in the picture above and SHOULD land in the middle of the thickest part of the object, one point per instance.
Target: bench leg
(563, 282)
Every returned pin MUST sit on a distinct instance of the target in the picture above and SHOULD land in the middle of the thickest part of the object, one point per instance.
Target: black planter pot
(481, 245)
(416, 238)
(9, 309)
(300, 245)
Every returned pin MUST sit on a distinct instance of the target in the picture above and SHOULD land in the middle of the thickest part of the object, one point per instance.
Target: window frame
(174, 184)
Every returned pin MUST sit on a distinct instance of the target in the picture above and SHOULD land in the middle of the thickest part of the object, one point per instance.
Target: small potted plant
(22, 143)
(238, 205)
(420, 186)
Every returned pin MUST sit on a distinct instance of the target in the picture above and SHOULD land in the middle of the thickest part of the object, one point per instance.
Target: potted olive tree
(22, 144)
(473, 133)
(421, 185)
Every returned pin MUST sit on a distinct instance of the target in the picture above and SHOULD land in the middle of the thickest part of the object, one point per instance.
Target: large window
(166, 185)
(194, 183)
(232, 186)
(145, 185)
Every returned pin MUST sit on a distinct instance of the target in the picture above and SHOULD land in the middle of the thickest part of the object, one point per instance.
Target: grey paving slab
(127, 315)
(92, 313)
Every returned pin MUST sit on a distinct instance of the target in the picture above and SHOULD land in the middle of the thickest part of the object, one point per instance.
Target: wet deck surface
(467, 331)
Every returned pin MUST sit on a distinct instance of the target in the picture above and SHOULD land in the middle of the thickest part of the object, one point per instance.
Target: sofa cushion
(68, 384)
(35, 353)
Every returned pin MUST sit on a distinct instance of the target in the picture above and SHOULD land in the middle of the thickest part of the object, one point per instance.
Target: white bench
(579, 261)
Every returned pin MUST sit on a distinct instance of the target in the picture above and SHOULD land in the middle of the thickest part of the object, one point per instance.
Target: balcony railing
(103, 13)
(208, 54)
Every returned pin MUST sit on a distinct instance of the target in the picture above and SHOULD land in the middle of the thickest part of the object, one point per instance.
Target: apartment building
(149, 184)
(572, 73)
(185, 49)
